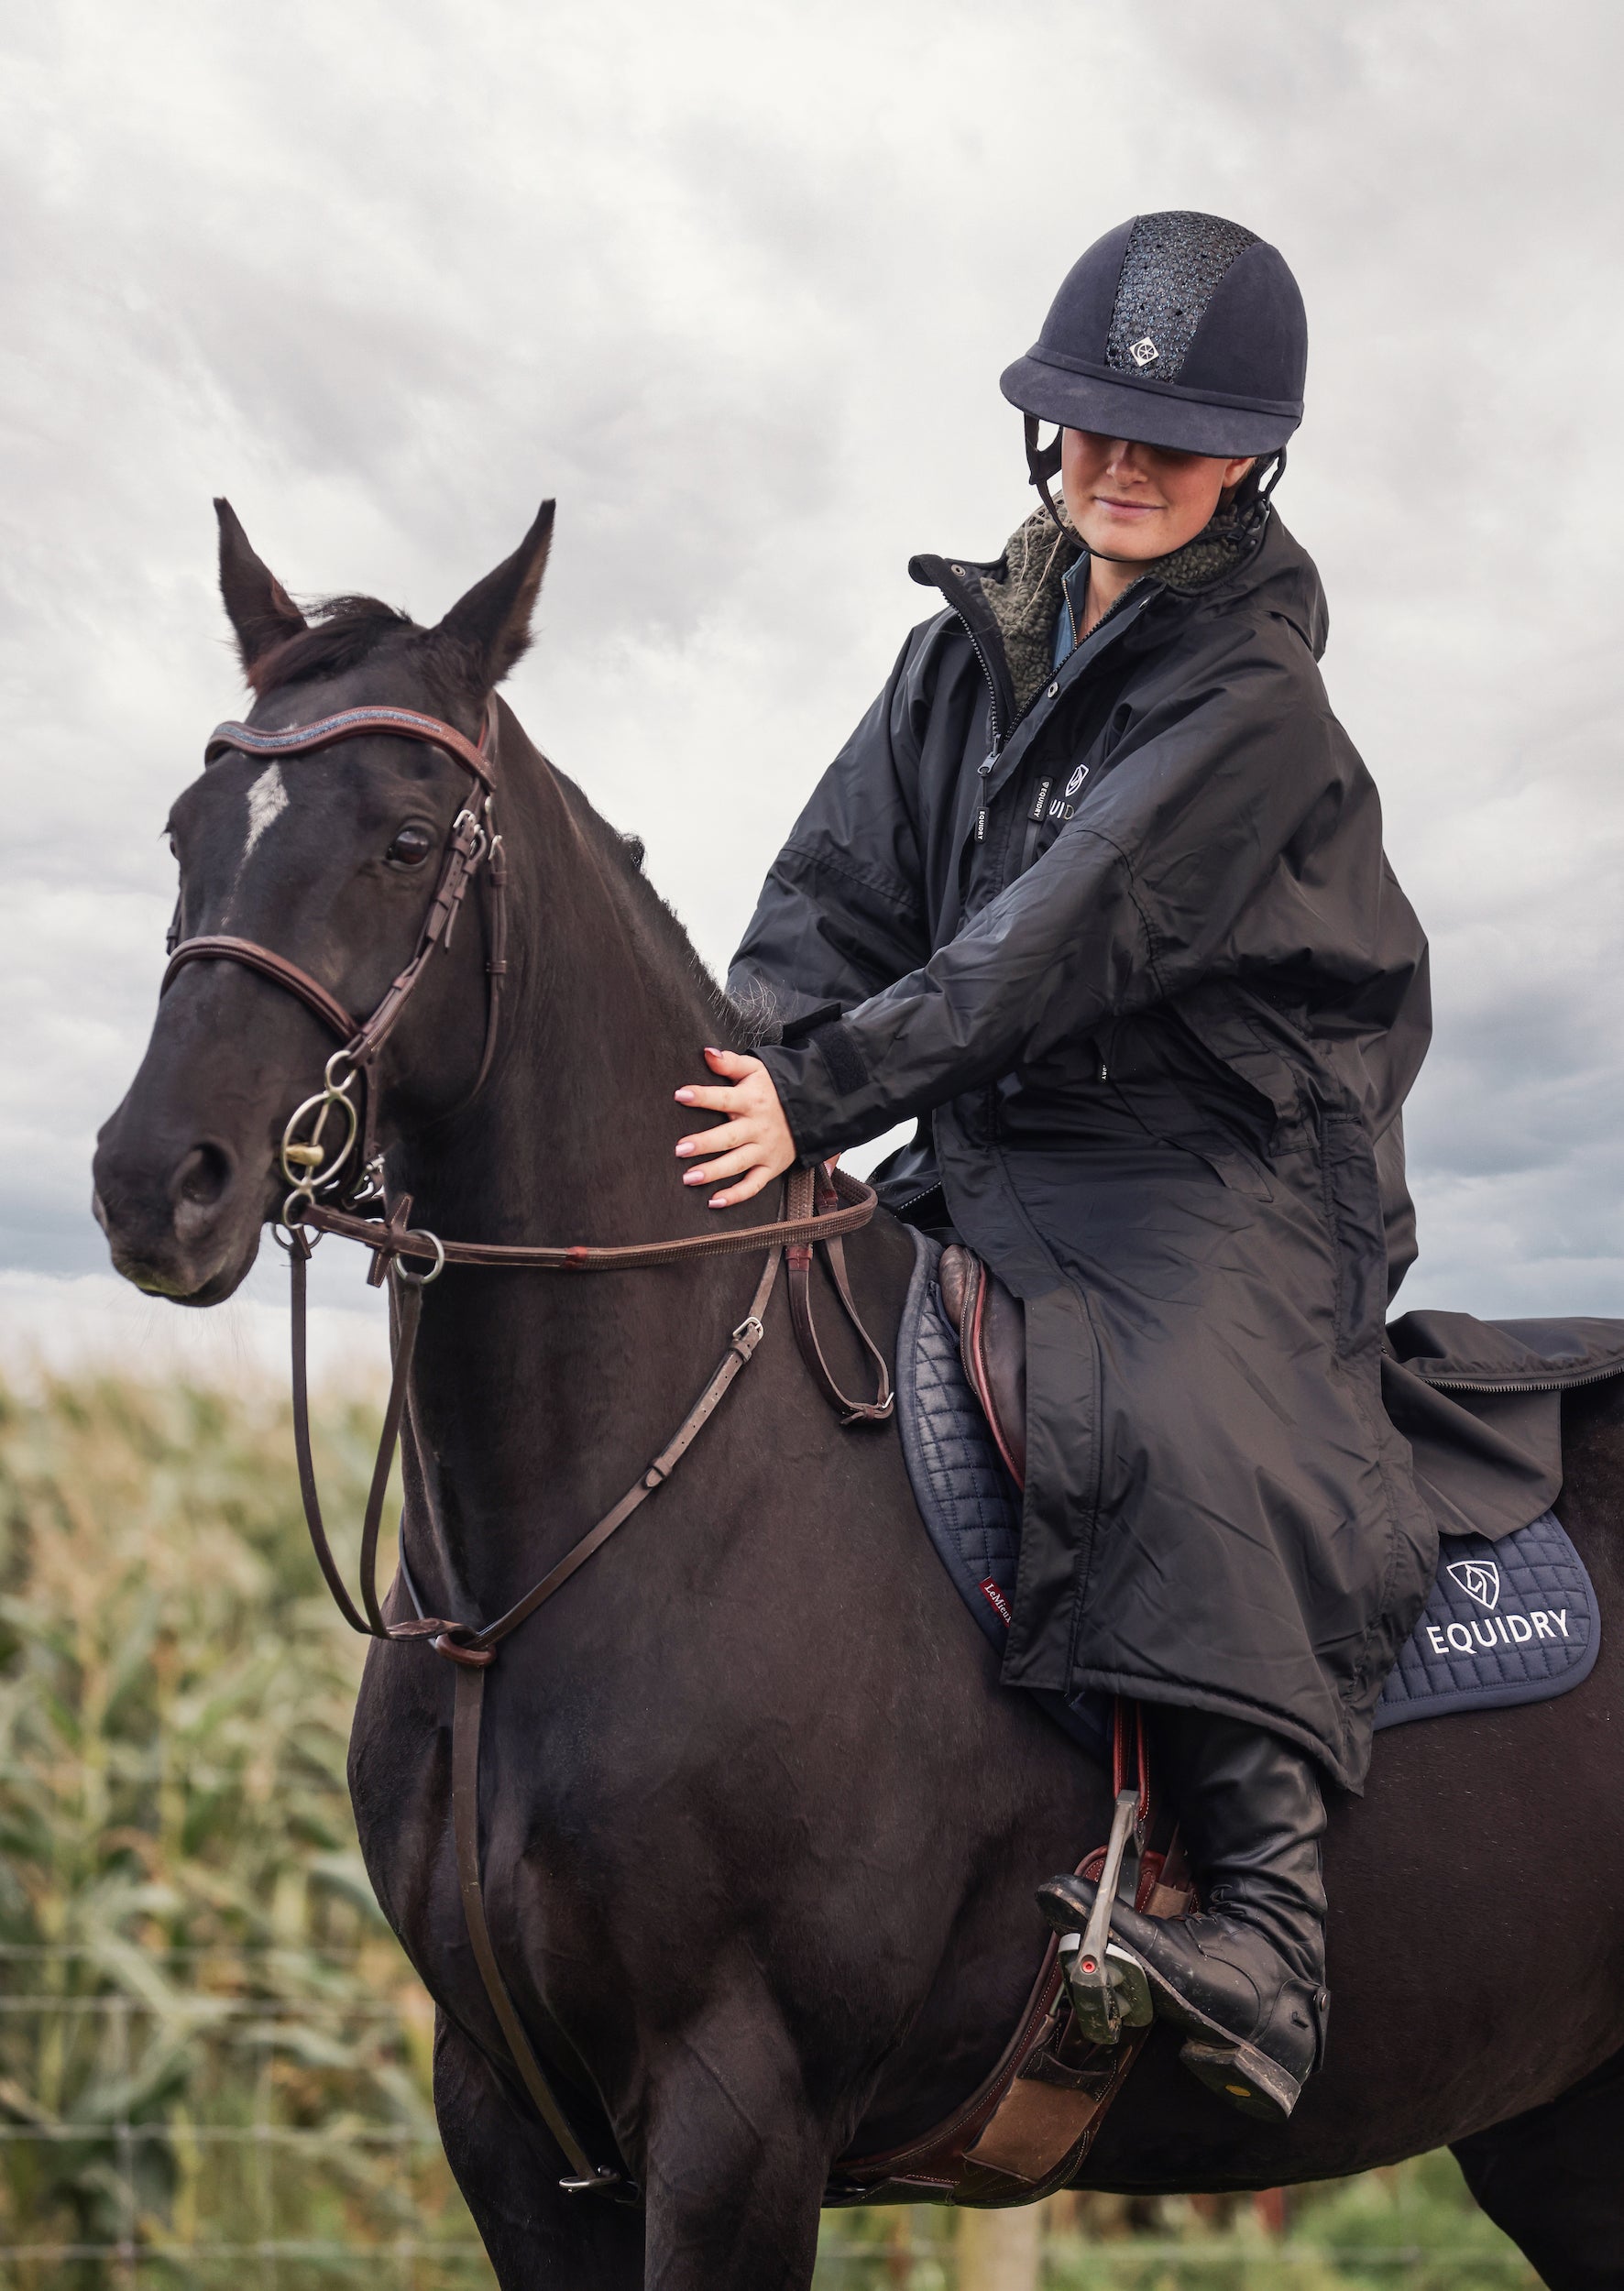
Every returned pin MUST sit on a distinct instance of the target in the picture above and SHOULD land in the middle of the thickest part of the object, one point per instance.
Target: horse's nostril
(198, 1187)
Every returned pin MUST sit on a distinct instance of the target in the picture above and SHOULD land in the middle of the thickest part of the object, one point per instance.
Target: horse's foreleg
(539, 2238)
(734, 2163)
(1552, 2180)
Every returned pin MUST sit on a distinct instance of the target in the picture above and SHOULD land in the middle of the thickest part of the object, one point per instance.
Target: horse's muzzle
(180, 1222)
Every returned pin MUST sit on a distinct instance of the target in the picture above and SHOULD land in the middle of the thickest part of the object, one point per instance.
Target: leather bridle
(818, 1207)
(473, 840)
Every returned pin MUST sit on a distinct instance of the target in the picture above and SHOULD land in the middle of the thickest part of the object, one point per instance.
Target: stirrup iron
(1108, 1988)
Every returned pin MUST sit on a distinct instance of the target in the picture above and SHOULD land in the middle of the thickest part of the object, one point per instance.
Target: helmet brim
(1148, 413)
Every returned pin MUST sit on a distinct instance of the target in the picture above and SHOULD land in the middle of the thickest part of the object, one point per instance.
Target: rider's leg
(1246, 1975)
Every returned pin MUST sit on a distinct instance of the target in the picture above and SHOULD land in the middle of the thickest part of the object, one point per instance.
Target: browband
(300, 739)
(468, 845)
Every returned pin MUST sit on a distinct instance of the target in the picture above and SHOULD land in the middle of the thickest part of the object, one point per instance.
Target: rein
(818, 1209)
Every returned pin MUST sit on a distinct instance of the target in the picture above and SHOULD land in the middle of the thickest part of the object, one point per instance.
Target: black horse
(760, 1828)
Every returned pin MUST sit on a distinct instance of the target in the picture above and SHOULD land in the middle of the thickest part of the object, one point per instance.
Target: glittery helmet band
(1180, 330)
(1173, 263)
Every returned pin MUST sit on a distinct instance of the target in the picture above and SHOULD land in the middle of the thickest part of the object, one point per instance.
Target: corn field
(213, 2058)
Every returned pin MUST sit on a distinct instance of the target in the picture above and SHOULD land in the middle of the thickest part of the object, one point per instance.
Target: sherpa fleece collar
(1023, 591)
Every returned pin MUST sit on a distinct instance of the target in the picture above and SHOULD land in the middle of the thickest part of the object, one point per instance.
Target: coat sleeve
(842, 912)
(1138, 898)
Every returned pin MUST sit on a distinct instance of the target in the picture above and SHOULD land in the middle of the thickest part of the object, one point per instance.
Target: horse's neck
(539, 1398)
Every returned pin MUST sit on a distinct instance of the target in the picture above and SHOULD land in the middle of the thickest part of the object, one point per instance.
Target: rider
(1097, 889)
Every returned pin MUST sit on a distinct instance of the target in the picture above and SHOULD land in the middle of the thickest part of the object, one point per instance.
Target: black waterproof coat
(1126, 933)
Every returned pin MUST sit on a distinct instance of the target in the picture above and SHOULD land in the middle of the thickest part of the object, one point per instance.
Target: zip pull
(1039, 800)
(980, 825)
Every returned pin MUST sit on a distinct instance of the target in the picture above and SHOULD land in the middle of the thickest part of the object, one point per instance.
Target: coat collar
(1010, 605)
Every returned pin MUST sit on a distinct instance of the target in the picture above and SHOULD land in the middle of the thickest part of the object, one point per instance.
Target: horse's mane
(753, 1022)
(342, 632)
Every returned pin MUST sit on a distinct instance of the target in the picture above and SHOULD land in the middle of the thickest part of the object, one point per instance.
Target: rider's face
(1140, 501)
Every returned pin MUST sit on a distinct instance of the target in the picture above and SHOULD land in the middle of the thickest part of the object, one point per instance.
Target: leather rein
(820, 1207)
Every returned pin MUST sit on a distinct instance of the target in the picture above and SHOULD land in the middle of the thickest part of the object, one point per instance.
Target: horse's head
(328, 859)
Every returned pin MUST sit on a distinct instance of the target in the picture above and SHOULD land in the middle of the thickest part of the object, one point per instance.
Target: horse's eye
(410, 847)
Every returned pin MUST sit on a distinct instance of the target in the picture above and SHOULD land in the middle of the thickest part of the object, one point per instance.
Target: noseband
(818, 1209)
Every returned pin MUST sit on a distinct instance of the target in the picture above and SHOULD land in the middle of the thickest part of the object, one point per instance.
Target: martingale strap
(472, 1648)
(814, 1209)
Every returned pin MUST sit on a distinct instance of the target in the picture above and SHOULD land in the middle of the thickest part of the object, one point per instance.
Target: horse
(760, 1828)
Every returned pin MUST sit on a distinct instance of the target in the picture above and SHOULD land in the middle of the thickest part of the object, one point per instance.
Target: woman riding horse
(1097, 888)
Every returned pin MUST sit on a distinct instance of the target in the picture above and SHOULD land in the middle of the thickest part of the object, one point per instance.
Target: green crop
(213, 2058)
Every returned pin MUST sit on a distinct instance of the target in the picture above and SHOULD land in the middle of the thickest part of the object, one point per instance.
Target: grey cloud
(736, 284)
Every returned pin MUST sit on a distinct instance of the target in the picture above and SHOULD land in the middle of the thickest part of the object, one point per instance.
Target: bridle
(307, 1164)
(818, 1207)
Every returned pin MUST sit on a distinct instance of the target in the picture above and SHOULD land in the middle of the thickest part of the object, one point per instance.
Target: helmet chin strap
(1044, 463)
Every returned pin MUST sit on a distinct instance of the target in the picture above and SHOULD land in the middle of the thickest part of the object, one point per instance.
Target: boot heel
(1248, 2079)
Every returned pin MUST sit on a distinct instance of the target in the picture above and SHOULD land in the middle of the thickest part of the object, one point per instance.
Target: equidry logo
(1479, 1579)
(1500, 1630)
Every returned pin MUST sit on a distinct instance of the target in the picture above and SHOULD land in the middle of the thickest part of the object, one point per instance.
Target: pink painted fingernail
(684, 1097)
(694, 1176)
(687, 1147)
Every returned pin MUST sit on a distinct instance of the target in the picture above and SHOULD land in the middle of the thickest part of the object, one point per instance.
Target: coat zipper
(1554, 1383)
(993, 725)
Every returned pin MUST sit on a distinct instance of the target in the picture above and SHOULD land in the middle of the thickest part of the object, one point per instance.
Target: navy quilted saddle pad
(1513, 1621)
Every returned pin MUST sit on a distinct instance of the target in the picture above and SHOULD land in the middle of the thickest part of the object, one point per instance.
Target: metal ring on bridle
(433, 1270)
(422, 1280)
(291, 1223)
(306, 1163)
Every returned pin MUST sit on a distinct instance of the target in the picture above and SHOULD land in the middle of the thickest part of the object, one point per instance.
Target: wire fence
(187, 2127)
(179, 2119)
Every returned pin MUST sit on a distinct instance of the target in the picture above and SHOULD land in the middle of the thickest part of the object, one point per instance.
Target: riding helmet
(1178, 329)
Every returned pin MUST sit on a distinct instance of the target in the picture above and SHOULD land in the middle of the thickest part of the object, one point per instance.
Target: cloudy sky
(735, 282)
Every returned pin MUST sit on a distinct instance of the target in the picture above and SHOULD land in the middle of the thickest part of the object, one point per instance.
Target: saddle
(992, 1326)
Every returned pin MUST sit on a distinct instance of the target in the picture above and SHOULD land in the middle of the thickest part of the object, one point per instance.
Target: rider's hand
(754, 1145)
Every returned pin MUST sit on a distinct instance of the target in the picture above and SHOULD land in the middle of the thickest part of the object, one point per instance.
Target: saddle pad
(1511, 1621)
(1514, 1621)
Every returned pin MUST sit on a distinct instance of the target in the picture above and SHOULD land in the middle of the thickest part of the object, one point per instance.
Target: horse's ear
(259, 607)
(491, 623)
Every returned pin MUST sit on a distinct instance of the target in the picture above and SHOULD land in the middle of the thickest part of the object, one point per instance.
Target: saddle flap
(991, 1327)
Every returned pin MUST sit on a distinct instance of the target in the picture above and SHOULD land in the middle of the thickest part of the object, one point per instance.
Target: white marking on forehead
(268, 799)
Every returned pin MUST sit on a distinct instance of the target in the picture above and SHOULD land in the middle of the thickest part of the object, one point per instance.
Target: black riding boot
(1246, 1976)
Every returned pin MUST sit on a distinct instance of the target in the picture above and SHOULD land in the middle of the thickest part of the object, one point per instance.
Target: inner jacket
(1124, 934)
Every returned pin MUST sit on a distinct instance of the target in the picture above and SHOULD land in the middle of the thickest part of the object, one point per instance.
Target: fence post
(1000, 2250)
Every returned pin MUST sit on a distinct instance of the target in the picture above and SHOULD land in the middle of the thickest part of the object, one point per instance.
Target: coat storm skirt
(1218, 1512)
(1123, 935)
